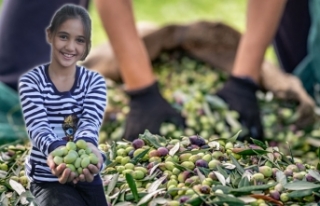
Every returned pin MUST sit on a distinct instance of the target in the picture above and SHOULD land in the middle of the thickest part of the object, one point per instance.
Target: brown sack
(214, 43)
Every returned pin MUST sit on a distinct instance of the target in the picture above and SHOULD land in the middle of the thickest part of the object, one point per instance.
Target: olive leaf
(158, 201)
(236, 163)
(235, 137)
(112, 183)
(250, 189)
(124, 204)
(146, 198)
(220, 178)
(301, 185)
(299, 193)
(174, 149)
(132, 186)
(314, 174)
(154, 186)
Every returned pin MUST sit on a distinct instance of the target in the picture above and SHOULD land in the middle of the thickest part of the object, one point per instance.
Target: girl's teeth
(68, 55)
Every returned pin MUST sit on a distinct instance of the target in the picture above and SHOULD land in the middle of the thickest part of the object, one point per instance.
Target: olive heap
(194, 171)
(189, 86)
(202, 164)
(77, 156)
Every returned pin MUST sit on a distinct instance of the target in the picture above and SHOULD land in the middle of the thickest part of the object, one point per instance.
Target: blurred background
(180, 11)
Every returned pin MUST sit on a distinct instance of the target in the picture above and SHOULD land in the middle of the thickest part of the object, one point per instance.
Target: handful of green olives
(76, 156)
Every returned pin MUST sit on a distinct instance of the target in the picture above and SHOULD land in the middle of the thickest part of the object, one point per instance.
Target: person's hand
(89, 172)
(63, 173)
(148, 110)
(240, 95)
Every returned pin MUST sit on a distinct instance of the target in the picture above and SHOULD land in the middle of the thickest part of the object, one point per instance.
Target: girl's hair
(71, 11)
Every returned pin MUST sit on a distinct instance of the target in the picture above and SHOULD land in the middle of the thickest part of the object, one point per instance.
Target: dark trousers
(56, 194)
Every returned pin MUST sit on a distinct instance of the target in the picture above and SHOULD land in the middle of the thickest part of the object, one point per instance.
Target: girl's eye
(63, 37)
(81, 40)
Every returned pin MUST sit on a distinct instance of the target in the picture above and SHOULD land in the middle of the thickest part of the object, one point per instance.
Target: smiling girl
(62, 102)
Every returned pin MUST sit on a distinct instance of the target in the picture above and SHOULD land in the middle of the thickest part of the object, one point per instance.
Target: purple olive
(205, 189)
(138, 143)
(197, 140)
(162, 151)
(184, 199)
(201, 163)
(300, 166)
(130, 154)
(309, 178)
(275, 194)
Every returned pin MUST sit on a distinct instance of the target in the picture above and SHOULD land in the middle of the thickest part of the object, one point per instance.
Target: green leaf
(146, 198)
(199, 173)
(225, 199)
(208, 112)
(216, 102)
(252, 152)
(301, 185)
(112, 183)
(112, 164)
(136, 159)
(225, 189)
(174, 149)
(132, 186)
(130, 196)
(244, 182)
(235, 137)
(222, 171)
(233, 122)
(299, 193)
(154, 186)
(236, 163)
(220, 177)
(195, 201)
(281, 177)
(259, 143)
(195, 151)
(108, 161)
(113, 152)
(154, 140)
(235, 178)
(181, 168)
(124, 204)
(252, 188)
(205, 171)
(285, 159)
(315, 174)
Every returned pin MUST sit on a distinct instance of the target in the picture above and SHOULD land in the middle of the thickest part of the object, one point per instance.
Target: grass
(180, 11)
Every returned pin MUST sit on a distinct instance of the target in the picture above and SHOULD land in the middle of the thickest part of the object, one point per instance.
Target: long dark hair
(72, 11)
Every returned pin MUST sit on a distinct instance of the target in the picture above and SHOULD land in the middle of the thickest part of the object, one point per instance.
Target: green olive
(81, 144)
(85, 162)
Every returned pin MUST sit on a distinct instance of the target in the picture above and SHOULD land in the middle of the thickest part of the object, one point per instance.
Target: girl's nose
(70, 46)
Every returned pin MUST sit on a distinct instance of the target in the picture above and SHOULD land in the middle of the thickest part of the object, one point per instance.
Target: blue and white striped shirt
(47, 114)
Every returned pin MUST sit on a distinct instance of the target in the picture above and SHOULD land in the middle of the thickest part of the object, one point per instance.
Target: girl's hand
(63, 173)
(92, 170)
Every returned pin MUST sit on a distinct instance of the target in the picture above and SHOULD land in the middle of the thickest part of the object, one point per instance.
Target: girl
(62, 101)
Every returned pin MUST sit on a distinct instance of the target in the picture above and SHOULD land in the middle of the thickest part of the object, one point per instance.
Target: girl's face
(68, 44)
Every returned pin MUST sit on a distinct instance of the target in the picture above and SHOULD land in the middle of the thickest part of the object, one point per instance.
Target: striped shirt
(51, 115)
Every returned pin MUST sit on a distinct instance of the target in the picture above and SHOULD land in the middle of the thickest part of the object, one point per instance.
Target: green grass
(180, 11)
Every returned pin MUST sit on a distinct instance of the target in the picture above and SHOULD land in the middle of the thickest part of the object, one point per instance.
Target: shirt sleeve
(94, 105)
(35, 116)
